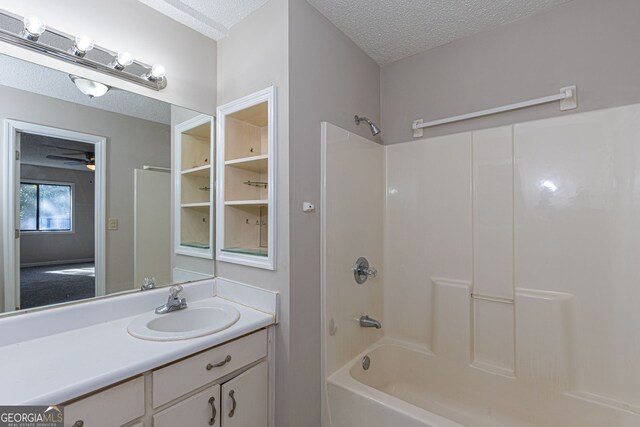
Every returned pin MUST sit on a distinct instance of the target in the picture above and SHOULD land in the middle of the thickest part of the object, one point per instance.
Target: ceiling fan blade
(63, 158)
(77, 153)
(62, 148)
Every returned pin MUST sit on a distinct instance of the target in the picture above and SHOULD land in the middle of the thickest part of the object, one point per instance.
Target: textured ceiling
(34, 150)
(389, 30)
(213, 18)
(35, 78)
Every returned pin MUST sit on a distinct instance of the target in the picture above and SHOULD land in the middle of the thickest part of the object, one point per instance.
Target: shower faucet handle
(362, 271)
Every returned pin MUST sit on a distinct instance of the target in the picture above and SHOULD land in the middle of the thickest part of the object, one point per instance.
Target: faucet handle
(175, 290)
(149, 282)
(362, 271)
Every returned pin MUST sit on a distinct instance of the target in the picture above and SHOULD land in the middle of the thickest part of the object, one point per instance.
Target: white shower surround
(508, 275)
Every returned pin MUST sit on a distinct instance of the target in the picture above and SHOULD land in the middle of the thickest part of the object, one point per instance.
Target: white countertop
(62, 366)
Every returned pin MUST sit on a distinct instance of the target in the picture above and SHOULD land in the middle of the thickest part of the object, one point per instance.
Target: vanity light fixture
(33, 28)
(82, 45)
(27, 32)
(90, 88)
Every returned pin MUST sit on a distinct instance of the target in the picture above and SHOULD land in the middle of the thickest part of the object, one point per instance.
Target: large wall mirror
(89, 183)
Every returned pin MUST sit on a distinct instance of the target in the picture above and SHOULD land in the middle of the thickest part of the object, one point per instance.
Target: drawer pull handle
(78, 423)
(212, 401)
(233, 401)
(219, 364)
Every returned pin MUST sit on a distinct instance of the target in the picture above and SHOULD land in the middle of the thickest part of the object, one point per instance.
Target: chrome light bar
(14, 30)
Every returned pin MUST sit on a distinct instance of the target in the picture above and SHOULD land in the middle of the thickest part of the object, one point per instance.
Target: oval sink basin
(192, 322)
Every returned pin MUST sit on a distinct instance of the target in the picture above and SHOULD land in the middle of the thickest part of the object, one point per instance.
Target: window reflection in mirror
(91, 191)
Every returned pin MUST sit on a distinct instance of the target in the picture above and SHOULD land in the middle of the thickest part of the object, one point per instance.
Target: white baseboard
(57, 262)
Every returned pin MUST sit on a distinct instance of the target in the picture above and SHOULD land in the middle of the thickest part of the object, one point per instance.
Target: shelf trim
(196, 169)
(246, 160)
(195, 205)
(246, 202)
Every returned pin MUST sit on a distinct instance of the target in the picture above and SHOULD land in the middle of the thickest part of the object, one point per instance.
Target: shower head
(374, 128)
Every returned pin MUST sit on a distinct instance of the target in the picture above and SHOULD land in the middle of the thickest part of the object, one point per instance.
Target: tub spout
(368, 322)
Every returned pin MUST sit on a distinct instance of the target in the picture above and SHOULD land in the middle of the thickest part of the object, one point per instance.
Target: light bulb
(33, 27)
(158, 71)
(124, 59)
(83, 43)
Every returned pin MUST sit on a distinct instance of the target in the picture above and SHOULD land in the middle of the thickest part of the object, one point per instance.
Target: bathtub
(407, 386)
(381, 396)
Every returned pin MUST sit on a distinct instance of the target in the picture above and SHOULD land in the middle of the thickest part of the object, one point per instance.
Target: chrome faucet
(368, 322)
(174, 302)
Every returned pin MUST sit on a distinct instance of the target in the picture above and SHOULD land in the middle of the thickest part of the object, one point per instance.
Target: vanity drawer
(114, 406)
(189, 374)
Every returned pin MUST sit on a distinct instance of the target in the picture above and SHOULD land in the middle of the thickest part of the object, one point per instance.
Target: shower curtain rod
(567, 98)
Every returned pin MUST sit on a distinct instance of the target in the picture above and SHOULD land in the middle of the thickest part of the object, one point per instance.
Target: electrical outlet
(112, 224)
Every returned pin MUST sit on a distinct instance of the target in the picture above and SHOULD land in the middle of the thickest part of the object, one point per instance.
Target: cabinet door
(245, 399)
(114, 406)
(200, 410)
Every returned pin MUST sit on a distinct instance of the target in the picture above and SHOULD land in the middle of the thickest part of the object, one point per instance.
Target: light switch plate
(112, 224)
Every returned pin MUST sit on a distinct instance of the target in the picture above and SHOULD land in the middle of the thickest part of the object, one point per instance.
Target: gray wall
(591, 43)
(252, 57)
(331, 79)
(62, 247)
(131, 143)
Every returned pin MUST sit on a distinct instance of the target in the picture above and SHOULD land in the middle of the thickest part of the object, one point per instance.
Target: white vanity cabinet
(112, 407)
(239, 402)
(225, 386)
(182, 377)
(244, 399)
(202, 409)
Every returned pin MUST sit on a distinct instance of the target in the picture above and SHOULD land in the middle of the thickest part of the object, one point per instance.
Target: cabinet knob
(233, 401)
(212, 402)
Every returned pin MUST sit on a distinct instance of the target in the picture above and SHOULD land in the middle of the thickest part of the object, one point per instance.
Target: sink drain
(366, 362)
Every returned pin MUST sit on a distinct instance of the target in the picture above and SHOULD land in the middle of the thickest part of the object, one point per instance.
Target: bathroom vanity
(225, 385)
(105, 377)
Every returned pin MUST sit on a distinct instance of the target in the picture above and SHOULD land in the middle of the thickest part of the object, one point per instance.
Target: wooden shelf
(261, 252)
(246, 203)
(253, 164)
(195, 205)
(193, 153)
(199, 171)
(245, 188)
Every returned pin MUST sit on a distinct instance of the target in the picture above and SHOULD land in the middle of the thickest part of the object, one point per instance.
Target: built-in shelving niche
(246, 186)
(193, 163)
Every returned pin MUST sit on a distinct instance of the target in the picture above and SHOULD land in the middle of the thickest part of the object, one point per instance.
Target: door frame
(9, 217)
